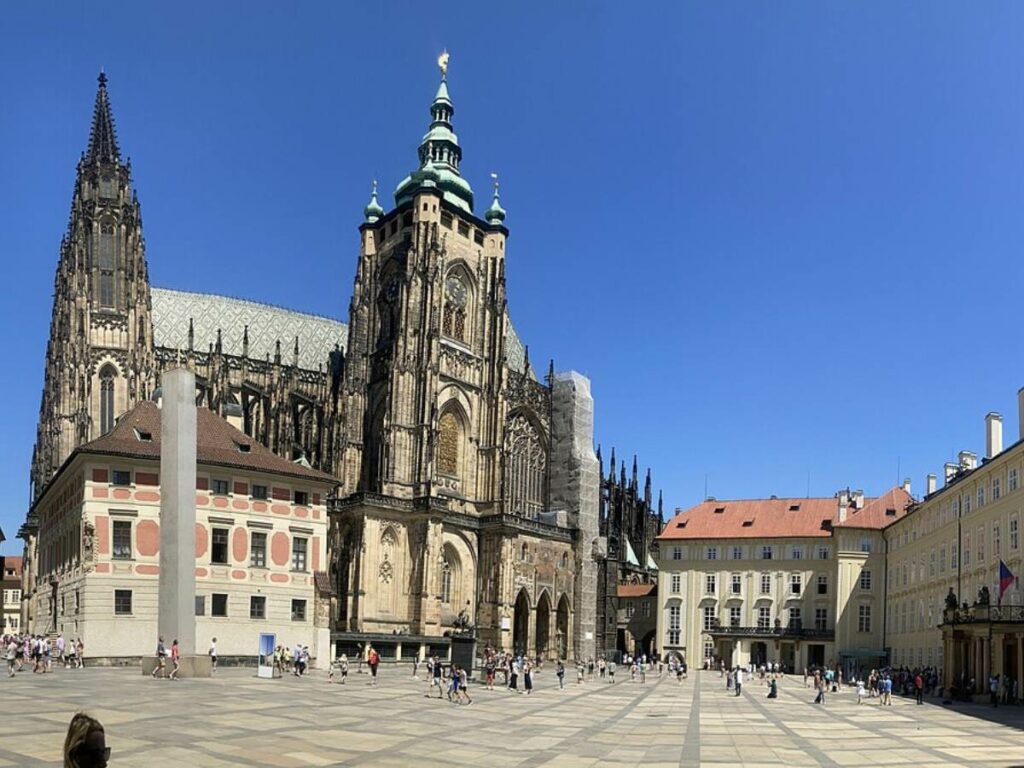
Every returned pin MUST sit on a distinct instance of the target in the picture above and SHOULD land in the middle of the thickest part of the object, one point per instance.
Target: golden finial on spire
(442, 63)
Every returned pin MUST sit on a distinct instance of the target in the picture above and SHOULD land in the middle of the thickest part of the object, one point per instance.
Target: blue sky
(783, 239)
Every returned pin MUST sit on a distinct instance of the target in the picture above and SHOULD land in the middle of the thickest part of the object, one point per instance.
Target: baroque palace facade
(467, 489)
(856, 582)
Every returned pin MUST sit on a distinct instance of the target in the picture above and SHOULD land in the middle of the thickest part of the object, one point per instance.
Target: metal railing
(983, 614)
(792, 630)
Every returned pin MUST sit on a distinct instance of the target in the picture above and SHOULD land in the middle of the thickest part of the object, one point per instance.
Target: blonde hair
(78, 732)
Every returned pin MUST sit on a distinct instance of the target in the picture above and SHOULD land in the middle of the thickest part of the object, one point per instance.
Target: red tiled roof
(880, 512)
(217, 442)
(637, 590)
(12, 561)
(323, 583)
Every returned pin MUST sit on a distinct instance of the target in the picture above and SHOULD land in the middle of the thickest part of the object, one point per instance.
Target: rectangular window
(677, 583)
(997, 541)
(219, 487)
(219, 546)
(734, 616)
(122, 602)
(996, 488)
(709, 617)
(299, 545)
(630, 610)
(981, 544)
(298, 610)
(712, 553)
(674, 622)
(1014, 534)
(798, 553)
(645, 607)
(981, 496)
(218, 604)
(259, 550)
(200, 605)
(795, 622)
(865, 545)
(710, 583)
(737, 584)
(966, 506)
(764, 617)
(766, 583)
(796, 582)
(823, 585)
(967, 550)
(302, 498)
(259, 492)
(942, 560)
(737, 553)
(766, 552)
(122, 540)
(931, 563)
(709, 649)
(258, 607)
(677, 553)
(121, 477)
(823, 553)
(1012, 485)
(865, 580)
(952, 557)
(821, 619)
(864, 618)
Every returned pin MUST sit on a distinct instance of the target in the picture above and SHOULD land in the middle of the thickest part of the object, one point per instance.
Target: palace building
(466, 488)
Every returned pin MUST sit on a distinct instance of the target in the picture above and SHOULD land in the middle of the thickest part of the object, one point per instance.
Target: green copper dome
(373, 211)
(495, 214)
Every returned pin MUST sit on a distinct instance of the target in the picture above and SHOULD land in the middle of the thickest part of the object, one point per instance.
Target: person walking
(160, 670)
(528, 677)
(175, 660)
(373, 661)
(559, 672)
(213, 655)
(80, 648)
(436, 677)
(919, 688)
(464, 685)
(12, 656)
(513, 675)
(739, 680)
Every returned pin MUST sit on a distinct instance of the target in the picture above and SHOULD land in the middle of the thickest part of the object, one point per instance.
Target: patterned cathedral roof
(268, 324)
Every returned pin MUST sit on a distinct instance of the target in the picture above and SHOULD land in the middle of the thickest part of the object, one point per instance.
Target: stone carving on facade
(88, 546)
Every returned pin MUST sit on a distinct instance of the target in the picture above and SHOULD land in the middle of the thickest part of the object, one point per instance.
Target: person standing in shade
(213, 655)
(175, 660)
(373, 661)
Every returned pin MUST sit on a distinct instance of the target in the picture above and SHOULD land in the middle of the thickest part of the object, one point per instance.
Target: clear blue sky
(783, 239)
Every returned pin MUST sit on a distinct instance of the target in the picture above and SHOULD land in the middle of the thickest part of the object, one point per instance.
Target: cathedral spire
(103, 139)
(439, 153)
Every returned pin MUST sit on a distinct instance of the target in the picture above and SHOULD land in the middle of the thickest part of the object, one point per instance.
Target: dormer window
(143, 436)
(244, 447)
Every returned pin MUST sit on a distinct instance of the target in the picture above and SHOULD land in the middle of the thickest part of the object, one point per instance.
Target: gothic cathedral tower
(99, 358)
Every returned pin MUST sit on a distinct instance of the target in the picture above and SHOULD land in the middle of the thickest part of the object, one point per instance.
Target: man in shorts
(213, 655)
(160, 670)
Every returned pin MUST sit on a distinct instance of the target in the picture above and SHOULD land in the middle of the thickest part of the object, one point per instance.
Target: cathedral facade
(467, 487)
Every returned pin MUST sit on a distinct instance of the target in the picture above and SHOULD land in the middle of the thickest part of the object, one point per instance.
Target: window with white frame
(674, 622)
(1014, 534)
(764, 617)
(710, 583)
(967, 549)
(865, 545)
(709, 617)
(981, 544)
(865, 579)
(677, 553)
(1012, 480)
(931, 563)
(709, 649)
(736, 584)
(712, 553)
(794, 618)
(676, 582)
(796, 583)
(823, 552)
(734, 616)
(766, 552)
(965, 504)
(981, 496)
(942, 560)
(821, 619)
(864, 618)
(822, 584)
(737, 553)
(766, 583)
(996, 488)
(952, 556)
(798, 553)
(997, 541)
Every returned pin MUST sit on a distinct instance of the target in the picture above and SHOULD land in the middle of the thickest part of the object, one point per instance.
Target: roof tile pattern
(137, 435)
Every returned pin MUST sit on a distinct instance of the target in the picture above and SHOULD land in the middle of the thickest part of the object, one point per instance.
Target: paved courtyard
(236, 719)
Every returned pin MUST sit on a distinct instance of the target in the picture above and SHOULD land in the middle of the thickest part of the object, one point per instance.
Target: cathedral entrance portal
(521, 623)
(543, 626)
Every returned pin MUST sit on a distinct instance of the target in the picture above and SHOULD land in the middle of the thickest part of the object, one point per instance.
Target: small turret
(373, 211)
(495, 215)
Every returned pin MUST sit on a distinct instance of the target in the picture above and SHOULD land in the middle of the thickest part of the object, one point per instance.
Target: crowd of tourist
(40, 653)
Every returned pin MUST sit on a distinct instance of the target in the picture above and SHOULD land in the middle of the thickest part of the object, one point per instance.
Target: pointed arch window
(107, 377)
(448, 438)
(453, 323)
(446, 581)
(526, 465)
(107, 264)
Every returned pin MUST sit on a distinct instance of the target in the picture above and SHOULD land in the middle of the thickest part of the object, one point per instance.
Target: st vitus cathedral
(468, 488)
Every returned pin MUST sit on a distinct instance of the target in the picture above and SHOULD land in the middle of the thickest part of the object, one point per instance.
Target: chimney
(906, 484)
(844, 502)
(968, 460)
(930, 485)
(993, 435)
(858, 499)
(950, 471)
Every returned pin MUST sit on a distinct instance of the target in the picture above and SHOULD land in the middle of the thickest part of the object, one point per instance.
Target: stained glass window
(525, 461)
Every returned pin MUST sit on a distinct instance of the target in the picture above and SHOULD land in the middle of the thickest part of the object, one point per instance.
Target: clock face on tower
(455, 292)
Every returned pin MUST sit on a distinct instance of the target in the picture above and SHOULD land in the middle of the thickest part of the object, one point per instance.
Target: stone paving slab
(236, 719)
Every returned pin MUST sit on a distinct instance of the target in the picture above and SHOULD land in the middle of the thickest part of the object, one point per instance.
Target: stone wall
(575, 485)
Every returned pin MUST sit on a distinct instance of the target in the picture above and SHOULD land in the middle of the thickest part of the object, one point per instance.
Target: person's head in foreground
(85, 745)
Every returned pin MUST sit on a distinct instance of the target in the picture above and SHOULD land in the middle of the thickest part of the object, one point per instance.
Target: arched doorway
(647, 644)
(521, 623)
(562, 627)
(543, 625)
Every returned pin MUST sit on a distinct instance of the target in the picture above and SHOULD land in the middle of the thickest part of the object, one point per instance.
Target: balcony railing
(983, 614)
(795, 631)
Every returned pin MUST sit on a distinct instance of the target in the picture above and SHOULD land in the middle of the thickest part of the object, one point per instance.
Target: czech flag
(1006, 578)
